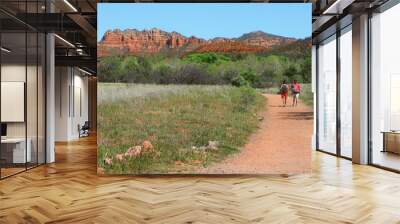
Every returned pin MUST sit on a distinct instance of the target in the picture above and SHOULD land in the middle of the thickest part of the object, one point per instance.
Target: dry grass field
(188, 127)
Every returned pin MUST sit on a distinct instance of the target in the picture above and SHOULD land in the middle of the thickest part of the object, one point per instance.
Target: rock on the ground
(108, 161)
(134, 151)
(147, 146)
(213, 145)
(120, 157)
(201, 148)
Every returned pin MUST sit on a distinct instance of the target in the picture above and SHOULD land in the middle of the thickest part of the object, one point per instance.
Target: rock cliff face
(132, 41)
(263, 39)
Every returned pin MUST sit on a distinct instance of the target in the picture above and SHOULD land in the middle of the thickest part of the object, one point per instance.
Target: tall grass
(113, 92)
(306, 95)
(177, 119)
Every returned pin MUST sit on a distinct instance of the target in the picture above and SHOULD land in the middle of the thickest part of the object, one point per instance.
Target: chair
(84, 130)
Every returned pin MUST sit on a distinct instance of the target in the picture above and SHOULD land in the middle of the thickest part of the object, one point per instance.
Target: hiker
(296, 89)
(284, 92)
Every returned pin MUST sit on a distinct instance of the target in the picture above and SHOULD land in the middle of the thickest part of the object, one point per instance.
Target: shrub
(109, 69)
(251, 77)
(239, 81)
(228, 76)
(298, 78)
(209, 58)
(305, 70)
(163, 74)
(193, 74)
(247, 78)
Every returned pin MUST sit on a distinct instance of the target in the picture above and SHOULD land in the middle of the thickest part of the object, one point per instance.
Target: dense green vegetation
(215, 101)
(256, 70)
(176, 119)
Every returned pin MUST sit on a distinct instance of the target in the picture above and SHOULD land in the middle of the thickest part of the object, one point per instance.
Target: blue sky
(208, 20)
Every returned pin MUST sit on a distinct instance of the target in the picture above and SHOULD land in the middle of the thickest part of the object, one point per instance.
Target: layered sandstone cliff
(132, 41)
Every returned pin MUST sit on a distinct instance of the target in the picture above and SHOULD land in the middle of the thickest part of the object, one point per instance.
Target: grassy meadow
(178, 120)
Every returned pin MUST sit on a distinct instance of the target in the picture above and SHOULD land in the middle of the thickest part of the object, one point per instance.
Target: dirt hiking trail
(282, 144)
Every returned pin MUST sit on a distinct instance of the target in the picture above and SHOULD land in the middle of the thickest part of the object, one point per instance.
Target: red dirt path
(282, 145)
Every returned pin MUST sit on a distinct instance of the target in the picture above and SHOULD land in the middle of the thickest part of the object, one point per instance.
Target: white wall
(71, 87)
(80, 109)
(62, 83)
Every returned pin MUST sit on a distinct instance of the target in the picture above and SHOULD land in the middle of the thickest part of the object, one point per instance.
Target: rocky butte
(132, 42)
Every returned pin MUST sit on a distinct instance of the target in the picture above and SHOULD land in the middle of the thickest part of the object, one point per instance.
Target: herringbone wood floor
(69, 191)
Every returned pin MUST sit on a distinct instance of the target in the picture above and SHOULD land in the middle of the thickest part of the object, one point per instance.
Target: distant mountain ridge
(133, 41)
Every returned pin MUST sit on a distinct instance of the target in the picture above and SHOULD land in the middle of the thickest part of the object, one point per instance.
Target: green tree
(305, 69)
(129, 69)
(209, 58)
(240, 81)
(251, 77)
(109, 69)
(291, 71)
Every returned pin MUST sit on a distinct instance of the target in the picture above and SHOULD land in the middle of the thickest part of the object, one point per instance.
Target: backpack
(296, 88)
(292, 88)
(284, 88)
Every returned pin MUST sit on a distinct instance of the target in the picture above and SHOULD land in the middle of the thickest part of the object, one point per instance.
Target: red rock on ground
(147, 146)
(108, 161)
(134, 151)
(120, 157)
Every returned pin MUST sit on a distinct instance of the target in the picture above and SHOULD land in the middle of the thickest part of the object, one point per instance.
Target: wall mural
(204, 88)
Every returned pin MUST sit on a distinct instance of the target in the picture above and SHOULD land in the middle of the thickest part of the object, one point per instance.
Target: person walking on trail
(284, 90)
(296, 89)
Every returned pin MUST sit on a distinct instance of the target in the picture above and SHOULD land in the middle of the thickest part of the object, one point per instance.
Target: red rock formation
(132, 41)
(263, 39)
